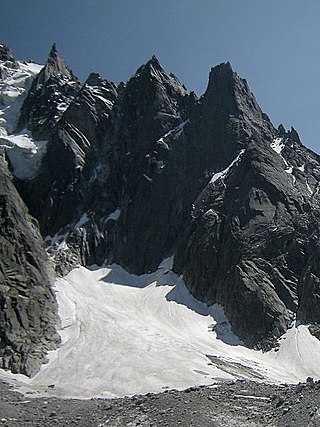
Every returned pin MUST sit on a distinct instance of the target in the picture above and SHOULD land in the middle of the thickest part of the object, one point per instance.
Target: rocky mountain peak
(152, 72)
(222, 70)
(222, 81)
(293, 135)
(50, 95)
(227, 92)
(6, 53)
(151, 66)
(229, 102)
(54, 66)
(94, 79)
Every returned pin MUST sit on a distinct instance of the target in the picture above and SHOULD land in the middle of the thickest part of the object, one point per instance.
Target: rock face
(27, 304)
(247, 245)
(6, 53)
(44, 105)
(144, 170)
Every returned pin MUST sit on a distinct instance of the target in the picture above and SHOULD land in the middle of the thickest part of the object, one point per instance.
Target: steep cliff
(27, 305)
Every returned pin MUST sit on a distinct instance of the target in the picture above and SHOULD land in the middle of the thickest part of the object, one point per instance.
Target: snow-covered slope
(124, 334)
(24, 153)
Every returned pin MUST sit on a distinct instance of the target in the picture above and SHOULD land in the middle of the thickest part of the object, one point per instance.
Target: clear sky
(274, 44)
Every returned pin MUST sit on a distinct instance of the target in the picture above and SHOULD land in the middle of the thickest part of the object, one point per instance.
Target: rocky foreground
(234, 403)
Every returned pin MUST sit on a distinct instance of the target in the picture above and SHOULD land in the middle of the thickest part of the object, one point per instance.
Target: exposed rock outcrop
(6, 53)
(45, 105)
(27, 304)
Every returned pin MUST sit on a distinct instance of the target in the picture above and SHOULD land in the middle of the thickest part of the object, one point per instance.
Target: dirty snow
(124, 334)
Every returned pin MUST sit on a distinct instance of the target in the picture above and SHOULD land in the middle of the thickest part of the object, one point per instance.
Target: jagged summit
(154, 61)
(152, 64)
(229, 93)
(229, 98)
(6, 53)
(53, 50)
(54, 66)
(51, 93)
(221, 76)
(153, 72)
(94, 79)
(293, 135)
(223, 68)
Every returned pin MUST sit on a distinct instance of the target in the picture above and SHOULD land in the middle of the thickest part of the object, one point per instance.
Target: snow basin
(124, 335)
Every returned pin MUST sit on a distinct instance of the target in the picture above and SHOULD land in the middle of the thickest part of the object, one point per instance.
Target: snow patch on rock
(24, 153)
(224, 172)
(277, 145)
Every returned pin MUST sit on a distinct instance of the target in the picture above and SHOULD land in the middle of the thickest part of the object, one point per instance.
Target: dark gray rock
(6, 53)
(71, 181)
(246, 247)
(27, 304)
(235, 403)
(166, 181)
(50, 95)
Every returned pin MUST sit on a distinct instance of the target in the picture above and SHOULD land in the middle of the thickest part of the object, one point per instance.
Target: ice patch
(62, 107)
(25, 154)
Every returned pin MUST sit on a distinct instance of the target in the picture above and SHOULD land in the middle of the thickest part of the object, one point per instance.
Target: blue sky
(274, 44)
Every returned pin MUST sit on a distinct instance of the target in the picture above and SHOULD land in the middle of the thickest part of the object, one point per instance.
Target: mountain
(144, 170)
(28, 316)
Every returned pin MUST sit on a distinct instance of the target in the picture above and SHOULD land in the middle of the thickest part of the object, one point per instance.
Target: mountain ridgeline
(144, 170)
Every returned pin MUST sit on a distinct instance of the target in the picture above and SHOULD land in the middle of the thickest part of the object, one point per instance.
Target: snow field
(124, 334)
